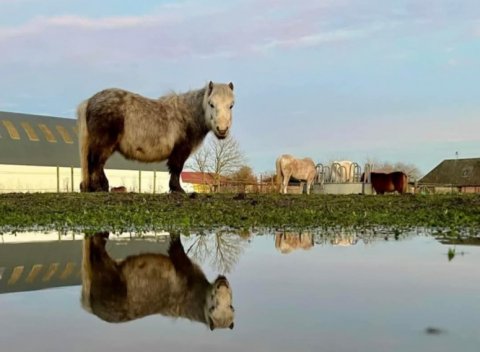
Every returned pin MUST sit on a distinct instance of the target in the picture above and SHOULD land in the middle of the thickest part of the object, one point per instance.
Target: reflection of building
(467, 241)
(41, 153)
(288, 242)
(27, 266)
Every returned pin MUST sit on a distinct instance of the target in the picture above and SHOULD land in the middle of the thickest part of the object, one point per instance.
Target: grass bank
(145, 212)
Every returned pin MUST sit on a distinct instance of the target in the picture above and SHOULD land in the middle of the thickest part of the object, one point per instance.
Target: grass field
(143, 212)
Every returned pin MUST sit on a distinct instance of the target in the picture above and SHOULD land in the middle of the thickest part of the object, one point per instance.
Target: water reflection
(148, 283)
(377, 295)
(222, 249)
(344, 239)
(286, 242)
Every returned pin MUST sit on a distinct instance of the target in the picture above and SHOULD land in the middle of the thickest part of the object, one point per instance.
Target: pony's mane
(191, 95)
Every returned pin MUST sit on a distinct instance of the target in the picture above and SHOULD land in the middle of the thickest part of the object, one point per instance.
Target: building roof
(456, 172)
(200, 178)
(50, 141)
(39, 265)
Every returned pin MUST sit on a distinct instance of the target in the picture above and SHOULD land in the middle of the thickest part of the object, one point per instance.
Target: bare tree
(222, 250)
(200, 160)
(218, 157)
(227, 156)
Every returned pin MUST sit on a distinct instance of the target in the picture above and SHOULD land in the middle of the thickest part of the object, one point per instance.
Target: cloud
(182, 30)
(193, 29)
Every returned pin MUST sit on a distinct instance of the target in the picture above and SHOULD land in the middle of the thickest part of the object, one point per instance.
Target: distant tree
(200, 161)
(242, 177)
(227, 155)
(218, 157)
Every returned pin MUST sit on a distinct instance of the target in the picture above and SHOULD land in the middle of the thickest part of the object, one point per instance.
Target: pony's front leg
(286, 180)
(174, 183)
(309, 185)
(175, 163)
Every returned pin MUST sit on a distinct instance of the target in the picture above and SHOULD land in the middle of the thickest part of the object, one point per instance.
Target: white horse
(301, 169)
(342, 171)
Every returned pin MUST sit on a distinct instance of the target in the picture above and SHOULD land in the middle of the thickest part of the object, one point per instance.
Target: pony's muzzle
(221, 133)
(222, 281)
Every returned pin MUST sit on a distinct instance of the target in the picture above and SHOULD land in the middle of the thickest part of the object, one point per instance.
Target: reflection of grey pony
(148, 284)
(149, 130)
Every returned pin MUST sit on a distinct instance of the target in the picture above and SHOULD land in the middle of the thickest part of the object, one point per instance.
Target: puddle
(314, 291)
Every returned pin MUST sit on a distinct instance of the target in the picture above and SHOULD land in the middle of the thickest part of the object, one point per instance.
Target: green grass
(145, 212)
(451, 253)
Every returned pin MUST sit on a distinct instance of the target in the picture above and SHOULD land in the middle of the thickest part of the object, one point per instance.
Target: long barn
(41, 154)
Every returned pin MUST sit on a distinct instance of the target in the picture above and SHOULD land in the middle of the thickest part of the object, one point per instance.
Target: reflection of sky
(377, 297)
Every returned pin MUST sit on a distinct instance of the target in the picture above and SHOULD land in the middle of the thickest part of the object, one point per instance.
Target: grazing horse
(301, 169)
(388, 182)
(149, 130)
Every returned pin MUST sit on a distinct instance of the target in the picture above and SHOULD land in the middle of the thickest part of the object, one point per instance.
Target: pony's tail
(86, 274)
(83, 143)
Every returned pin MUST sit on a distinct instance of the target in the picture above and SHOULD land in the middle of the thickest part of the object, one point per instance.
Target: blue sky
(329, 79)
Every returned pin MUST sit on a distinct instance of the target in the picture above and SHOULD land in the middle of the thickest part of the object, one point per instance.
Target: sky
(359, 80)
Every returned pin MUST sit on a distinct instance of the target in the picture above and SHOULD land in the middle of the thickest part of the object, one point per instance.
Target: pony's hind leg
(286, 180)
(98, 179)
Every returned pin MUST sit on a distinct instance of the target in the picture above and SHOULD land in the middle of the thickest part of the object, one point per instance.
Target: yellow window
(64, 133)
(47, 133)
(12, 131)
(30, 132)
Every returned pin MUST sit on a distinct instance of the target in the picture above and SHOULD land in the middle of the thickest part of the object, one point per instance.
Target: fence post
(58, 179)
(71, 177)
(139, 181)
(154, 181)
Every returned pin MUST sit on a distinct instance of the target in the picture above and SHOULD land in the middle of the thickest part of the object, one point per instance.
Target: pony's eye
(211, 105)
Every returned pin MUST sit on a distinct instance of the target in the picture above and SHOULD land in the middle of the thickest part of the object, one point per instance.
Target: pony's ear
(210, 87)
(230, 85)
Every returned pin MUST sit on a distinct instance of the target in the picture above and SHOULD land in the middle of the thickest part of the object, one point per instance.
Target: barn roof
(457, 172)
(200, 178)
(50, 141)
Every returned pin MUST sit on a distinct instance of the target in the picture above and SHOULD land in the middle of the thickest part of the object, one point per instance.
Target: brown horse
(149, 130)
(388, 182)
(301, 169)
